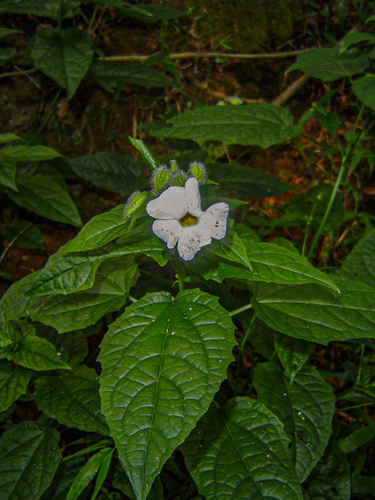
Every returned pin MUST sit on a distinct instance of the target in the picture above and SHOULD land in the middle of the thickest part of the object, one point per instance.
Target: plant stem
(240, 353)
(348, 153)
(240, 310)
(179, 272)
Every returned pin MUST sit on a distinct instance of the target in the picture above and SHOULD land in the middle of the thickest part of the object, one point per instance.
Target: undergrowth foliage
(165, 281)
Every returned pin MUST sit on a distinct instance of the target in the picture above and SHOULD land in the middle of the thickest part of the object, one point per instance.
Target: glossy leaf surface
(246, 435)
(162, 362)
(360, 263)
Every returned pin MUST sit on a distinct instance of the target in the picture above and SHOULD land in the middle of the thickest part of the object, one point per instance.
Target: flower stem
(179, 272)
(240, 310)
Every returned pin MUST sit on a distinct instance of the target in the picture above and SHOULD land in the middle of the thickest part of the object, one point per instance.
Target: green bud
(198, 170)
(160, 179)
(134, 202)
(179, 178)
(174, 167)
(235, 100)
(221, 103)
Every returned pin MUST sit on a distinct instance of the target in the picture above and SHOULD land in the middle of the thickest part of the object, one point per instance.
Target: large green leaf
(13, 383)
(45, 197)
(29, 456)
(240, 451)
(111, 171)
(364, 89)
(313, 313)
(50, 9)
(71, 346)
(99, 231)
(305, 407)
(249, 125)
(360, 263)
(246, 181)
(64, 56)
(162, 362)
(331, 477)
(112, 75)
(23, 153)
(31, 351)
(72, 399)
(329, 65)
(80, 310)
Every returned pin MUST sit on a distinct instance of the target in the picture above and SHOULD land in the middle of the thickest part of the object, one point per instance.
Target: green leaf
(356, 439)
(331, 477)
(147, 156)
(112, 75)
(72, 399)
(13, 383)
(150, 13)
(364, 89)
(102, 475)
(24, 234)
(71, 346)
(246, 181)
(360, 263)
(64, 56)
(4, 32)
(14, 304)
(305, 407)
(50, 9)
(99, 231)
(354, 38)
(29, 456)
(63, 479)
(8, 170)
(6, 55)
(46, 198)
(23, 153)
(9, 137)
(34, 352)
(87, 473)
(240, 451)
(293, 353)
(249, 125)
(363, 485)
(111, 171)
(153, 396)
(329, 65)
(313, 313)
(80, 310)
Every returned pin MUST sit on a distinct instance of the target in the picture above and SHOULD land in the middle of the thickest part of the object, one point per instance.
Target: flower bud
(160, 179)
(174, 167)
(134, 202)
(179, 178)
(235, 100)
(198, 170)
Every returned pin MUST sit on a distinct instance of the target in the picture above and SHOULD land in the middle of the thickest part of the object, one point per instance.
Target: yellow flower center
(188, 220)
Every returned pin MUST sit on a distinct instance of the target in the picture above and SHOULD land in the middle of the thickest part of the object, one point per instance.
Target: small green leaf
(163, 357)
(293, 353)
(63, 479)
(246, 181)
(72, 399)
(50, 9)
(13, 383)
(46, 198)
(87, 473)
(34, 352)
(9, 137)
(8, 170)
(23, 153)
(24, 234)
(64, 56)
(4, 32)
(29, 456)
(364, 89)
(249, 125)
(356, 439)
(112, 171)
(329, 65)
(147, 156)
(313, 313)
(360, 263)
(353, 38)
(305, 407)
(240, 451)
(6, 55)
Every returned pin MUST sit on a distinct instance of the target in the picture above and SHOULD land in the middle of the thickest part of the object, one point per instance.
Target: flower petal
(169, 205)
(193, 198)
(214, 220)
(192, 239)
(168, 230)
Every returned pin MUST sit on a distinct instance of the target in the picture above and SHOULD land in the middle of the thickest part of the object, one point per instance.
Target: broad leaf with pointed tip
(64, 56)
(240, 451)
(305, 407)
(360, 263)
(316, 314)
(13, 383)
(72, 399)
(162, 362)
(29, 456)
(249, 125)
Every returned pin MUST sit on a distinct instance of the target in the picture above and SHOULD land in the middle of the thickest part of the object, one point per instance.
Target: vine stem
(348, 153)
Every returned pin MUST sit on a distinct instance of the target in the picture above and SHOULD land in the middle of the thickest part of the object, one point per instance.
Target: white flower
(181, 220)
